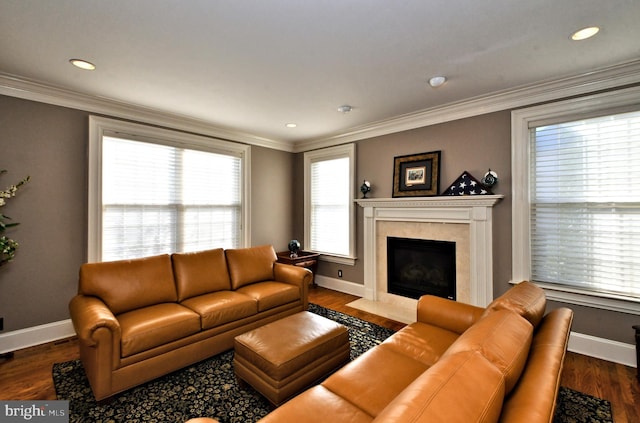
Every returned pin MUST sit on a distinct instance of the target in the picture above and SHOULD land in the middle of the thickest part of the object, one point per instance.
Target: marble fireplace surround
(465, 220)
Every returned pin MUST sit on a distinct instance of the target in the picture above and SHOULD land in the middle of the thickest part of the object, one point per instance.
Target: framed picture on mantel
(416, 175)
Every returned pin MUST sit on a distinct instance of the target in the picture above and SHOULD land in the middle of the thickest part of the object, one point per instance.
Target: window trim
(341, 151)
(100, 126)
(520, 164)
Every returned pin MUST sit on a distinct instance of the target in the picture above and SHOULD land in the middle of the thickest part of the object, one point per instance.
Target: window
(329, 208)
(576, 208)
(155, 191)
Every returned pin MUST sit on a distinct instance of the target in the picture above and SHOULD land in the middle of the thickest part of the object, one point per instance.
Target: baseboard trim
(340, 285)
(36, 335)
(602, 348)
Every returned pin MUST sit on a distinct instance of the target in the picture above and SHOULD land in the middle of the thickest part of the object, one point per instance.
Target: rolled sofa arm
(88, 314)
(294, 275)
(99, 335)
(447, 314)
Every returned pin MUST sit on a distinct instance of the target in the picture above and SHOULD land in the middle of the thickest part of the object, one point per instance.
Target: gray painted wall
(49, 143)
(474, 145)
(271, 198)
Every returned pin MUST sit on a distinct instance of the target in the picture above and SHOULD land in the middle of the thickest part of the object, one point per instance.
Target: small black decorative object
(490, 178)
(365, 188)
(294, 247)
(467, 185)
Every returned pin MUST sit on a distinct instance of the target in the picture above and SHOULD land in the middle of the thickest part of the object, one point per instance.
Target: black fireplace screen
(416, 267)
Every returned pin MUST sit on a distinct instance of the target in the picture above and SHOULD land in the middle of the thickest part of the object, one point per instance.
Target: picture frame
(416, 175)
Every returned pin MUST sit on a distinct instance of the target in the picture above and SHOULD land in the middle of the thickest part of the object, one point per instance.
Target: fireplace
(416, 267)
(465, 220)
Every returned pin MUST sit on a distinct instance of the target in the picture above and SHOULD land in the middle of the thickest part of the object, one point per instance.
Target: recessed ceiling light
(345, 108)
(437, 81)
(291, 125)
(82, 64)
(585, 33)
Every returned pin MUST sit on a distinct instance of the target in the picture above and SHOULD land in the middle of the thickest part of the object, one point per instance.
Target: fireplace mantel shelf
(437, 201)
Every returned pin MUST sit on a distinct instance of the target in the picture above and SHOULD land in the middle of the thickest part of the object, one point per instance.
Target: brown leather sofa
(140, 319)
(457, 364)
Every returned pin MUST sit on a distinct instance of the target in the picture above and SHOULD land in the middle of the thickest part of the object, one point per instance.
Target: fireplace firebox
(416, 267)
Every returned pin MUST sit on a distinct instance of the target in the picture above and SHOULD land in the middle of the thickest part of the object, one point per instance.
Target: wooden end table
(305, 259)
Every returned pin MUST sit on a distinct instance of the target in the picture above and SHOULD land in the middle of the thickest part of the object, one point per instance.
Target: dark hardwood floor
(27, 375)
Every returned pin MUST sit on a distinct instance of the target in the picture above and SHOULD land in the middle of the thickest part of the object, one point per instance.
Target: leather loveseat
(140, 319)
(456, 364)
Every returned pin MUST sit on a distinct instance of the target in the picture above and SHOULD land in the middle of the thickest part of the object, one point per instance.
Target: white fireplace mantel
(474, 211)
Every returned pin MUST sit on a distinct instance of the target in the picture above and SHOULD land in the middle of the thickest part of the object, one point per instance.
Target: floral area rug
(576, 407)
(209, 388)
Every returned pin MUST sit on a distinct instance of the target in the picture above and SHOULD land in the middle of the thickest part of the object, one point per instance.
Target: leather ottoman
(285, 357)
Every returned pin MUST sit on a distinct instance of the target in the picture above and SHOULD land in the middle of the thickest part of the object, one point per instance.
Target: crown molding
(597, 80)
(15, 86)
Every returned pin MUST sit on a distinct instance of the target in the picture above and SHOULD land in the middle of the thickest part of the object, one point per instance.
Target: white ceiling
(254, 65)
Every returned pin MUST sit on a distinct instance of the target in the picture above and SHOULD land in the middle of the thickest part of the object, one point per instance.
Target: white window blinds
(585, 204)
(330, 206)
(162, 199)
(329, 210)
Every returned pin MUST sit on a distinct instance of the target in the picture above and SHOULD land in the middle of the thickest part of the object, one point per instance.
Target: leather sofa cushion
(422, 342)
(126, 285)
(525, 298)
(451, 315)
(218, 308)
(311, 407)
(461, 388)
(200, 273)
(156, 325)
(271, 294)
(249, 265)
(503, 338)
(375, 378)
